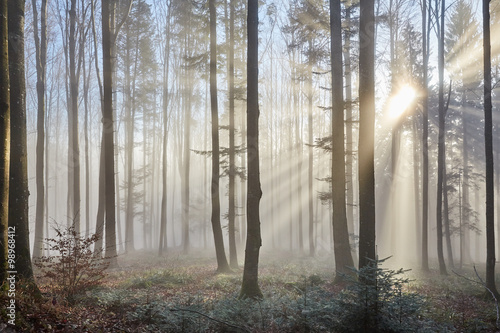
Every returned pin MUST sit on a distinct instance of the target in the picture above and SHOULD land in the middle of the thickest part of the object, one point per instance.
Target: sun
(401, 101)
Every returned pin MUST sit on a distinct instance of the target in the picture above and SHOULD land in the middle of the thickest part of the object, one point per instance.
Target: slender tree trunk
(441, 150)
(86, 84)
(349, 160)
(41, 61)
(163, 217)
(447, 232)
(74, 155)
(366, 134)
(488, 138)
(186, 165)
(233, 259)
(222, 265)
(425, 143)
(109, 167)
(310, 165)
(250, 286)
(343, 257)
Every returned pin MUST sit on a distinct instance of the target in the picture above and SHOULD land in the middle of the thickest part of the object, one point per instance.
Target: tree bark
(488, 139)
(366, 167)
(441, 145)
(250, 286)
(41, 62)
(18, 191)
(233, 259)
(109, 167)
(4, 139)
(222, 265)
(342, 248)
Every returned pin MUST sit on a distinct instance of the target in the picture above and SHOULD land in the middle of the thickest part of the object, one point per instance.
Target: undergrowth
(179, 295)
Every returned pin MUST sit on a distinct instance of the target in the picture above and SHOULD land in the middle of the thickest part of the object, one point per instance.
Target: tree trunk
(222, 265)
(233, 259)
(163, 216)
(74, 149)
(250, 286)
(343, 257)
(488, 138)
(41, 62)
(310, 178)
(349, 160)
(447, 232)
(4, 139)
(441, 143)
(18, 190)
(366, 167)
(108, 136)
(425, 143)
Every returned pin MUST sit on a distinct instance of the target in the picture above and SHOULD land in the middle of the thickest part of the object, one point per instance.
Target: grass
(184, 294)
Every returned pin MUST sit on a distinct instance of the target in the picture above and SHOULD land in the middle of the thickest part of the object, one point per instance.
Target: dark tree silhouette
(342, 249)
(222, 265)
(488, 140)
(366, 148)
(250, 286)
(18, 189)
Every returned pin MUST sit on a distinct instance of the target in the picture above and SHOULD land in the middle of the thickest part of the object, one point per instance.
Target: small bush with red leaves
(73, 267)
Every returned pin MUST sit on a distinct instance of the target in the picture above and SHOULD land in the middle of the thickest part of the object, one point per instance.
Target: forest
(249, 166)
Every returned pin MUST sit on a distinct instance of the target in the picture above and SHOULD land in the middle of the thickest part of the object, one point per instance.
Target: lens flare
(400, 102)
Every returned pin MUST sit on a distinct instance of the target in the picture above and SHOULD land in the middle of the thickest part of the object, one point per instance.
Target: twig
(484, 285)
(211, 318)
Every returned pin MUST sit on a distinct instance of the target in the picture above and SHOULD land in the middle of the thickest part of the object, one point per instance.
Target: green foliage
(163, 278)
(74, 267)
(377, 302)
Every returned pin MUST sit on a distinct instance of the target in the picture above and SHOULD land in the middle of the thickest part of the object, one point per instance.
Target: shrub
(74, 267)
(377, 302)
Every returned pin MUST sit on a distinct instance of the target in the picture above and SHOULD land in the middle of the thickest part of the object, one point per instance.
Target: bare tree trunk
(425, 143)
(441, 143)
(310, 166)
(343, 257)
(163, 217)
(250, 286)
(18, 184)
(4, 139)
(488, 138)
(108, 136)
(447, 232)
(233, 259)
(222, 265)
(74, 149)
(349, 160)
(366, 167)
(41, 62)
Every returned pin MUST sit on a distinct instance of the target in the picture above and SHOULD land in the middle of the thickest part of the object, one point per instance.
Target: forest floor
(176, 293)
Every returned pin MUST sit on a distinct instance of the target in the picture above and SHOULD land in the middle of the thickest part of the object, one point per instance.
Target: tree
(74, 145)
(4, 138)
(425, 138)
(488, 140)
(366, 166)
(343, 257)
(250, 286)
(233, 259)
(109, 167)
(18, 189)
(41, 64)
(441, 143)
(163, 216)
(222, 265)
